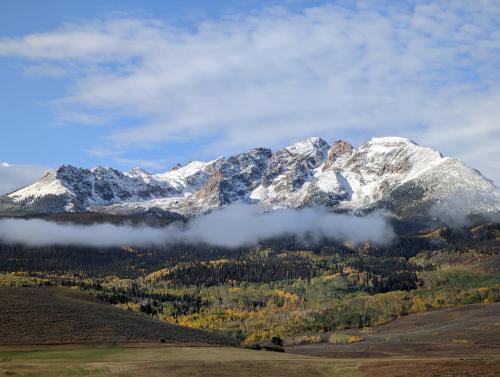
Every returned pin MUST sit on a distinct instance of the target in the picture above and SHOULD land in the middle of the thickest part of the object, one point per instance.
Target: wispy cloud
(81, 118)
(428, 70)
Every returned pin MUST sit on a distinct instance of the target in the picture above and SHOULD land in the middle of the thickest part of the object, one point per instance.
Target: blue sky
(151, 83)
(30, 134)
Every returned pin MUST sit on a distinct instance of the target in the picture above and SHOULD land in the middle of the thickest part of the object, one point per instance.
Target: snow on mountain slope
(192, 177)
(48, 185)
(377, 167)
(408, 179)
(235, 179)
(449, 189)
(81, 188)
(139, 173)
(390, 172)
(219, 182)
(290, 172)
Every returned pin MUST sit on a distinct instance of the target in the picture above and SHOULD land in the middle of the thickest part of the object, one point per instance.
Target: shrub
(368, 331)
(336, 338)
(304, 339)
(462, 341)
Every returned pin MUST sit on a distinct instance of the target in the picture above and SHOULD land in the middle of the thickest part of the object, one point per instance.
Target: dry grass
(337, 338)
(50, 361)
(459, 332)
(431, 368)
(49, 315)
(174, 361)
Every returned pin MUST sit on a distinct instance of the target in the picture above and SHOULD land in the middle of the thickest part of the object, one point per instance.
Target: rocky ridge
(392, 173)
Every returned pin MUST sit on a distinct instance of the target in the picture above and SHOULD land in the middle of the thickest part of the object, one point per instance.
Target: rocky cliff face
(391, 172)
(289, 171)
(339, 151)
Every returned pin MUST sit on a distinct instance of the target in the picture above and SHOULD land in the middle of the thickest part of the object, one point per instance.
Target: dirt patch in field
(50, 315)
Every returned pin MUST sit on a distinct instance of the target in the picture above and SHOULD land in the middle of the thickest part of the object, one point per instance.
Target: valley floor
(166, 360)
(461, 341)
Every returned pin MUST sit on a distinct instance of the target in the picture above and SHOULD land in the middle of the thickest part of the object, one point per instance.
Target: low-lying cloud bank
(232, 226)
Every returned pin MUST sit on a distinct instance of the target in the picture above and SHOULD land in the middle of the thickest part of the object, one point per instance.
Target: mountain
(391, 173)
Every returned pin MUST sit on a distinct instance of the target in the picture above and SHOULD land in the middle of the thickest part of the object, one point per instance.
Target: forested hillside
(282, 288)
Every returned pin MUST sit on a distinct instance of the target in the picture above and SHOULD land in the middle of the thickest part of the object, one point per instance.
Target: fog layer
(232, 226)
(462, 208)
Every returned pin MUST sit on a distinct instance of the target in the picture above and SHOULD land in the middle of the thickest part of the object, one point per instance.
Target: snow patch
(48, 185)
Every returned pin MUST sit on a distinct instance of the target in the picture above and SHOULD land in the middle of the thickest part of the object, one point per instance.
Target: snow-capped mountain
(391, 172)
(81, 188)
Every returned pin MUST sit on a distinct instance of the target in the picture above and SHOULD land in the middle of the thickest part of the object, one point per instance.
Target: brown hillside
(49, 315)
(462, 331)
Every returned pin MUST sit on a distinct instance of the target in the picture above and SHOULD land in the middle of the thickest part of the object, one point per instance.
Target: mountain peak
(177, 166)
(391, 140)
(137, 172)
(308, 146)
(339, 149)
(64, 168)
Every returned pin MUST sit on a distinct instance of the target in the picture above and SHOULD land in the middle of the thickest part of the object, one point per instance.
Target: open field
(166, 360)
(462, 331)
(50, 315)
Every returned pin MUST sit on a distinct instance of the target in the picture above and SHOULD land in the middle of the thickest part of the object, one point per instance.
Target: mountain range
(390, 173)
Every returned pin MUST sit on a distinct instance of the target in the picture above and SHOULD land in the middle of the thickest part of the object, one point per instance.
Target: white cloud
(232, 226)
(13, 177)
(427, 70)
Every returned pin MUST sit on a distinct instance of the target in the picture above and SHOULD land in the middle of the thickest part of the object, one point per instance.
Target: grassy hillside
(463, 331)
(51, 315)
